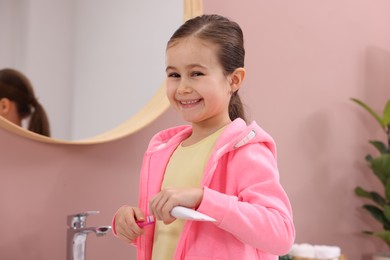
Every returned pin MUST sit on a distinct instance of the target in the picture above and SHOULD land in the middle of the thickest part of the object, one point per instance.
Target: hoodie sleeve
(252, 204)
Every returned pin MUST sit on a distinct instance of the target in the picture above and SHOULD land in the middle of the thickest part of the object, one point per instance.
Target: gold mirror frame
(157, 105)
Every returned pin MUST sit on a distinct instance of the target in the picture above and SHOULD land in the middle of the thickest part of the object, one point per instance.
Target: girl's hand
(162, 204)
(125, 223)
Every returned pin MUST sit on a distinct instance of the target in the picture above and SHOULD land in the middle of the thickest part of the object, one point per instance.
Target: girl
(219, 166)
(17, 102)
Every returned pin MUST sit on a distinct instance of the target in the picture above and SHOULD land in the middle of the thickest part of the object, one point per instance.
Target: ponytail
(236, 108)
(39, 122)
(16, 87)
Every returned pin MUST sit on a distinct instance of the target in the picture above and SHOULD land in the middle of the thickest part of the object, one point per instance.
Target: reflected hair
(228, 37)
(15, 86)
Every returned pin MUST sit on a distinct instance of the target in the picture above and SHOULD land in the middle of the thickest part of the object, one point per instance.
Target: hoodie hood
(236, 135)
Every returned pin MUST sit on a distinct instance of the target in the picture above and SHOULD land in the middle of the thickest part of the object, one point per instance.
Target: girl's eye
(197, 73)
(173, 75)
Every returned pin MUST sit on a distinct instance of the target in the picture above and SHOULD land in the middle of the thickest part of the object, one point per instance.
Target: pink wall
(305, 59)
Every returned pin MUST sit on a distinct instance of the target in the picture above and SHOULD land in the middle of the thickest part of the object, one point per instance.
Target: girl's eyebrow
(169, 68)
(190, 66)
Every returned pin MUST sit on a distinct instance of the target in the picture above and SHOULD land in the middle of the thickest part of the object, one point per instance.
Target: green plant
(380, 166)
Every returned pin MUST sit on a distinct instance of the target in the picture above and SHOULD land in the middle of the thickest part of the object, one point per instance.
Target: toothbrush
(148, 221)
(178, 212)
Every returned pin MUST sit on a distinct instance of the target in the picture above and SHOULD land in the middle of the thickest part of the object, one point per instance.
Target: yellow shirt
(185, 170)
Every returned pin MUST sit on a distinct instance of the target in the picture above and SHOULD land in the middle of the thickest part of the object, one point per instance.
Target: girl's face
(196, 85)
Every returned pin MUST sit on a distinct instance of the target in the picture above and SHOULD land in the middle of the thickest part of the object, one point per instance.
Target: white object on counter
(303, 250)
(318, 252)
(327, 252)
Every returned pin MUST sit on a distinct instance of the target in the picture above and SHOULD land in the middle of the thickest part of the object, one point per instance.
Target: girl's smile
(185, 104)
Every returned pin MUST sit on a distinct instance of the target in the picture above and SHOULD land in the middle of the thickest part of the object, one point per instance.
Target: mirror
(93, 64)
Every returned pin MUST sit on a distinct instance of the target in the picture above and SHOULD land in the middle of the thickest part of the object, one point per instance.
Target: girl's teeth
(188, 102)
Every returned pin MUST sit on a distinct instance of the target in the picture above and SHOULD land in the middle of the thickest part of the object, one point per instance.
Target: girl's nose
(184, 88)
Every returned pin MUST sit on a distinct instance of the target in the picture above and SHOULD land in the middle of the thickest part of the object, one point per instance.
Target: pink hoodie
(241, 191)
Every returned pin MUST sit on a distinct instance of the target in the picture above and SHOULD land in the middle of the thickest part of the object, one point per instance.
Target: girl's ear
(5, 105)
(236, 79)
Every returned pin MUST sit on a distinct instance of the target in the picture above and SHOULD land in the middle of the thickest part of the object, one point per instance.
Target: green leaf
(369, 158)
(387, 190)
(378, 198)
(378, 214)
(386, 212)
(380, 146)
(374, 196)
(384, 235)
(362, 192)
(381, 167)
(372, 112)
(386, 114)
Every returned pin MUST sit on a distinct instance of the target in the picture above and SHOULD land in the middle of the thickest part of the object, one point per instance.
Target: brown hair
(228, 36)
(16, 87)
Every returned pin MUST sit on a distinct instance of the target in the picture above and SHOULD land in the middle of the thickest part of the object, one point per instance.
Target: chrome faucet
(77, 234)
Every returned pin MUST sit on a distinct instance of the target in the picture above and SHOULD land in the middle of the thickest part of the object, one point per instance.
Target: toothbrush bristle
(150, 219)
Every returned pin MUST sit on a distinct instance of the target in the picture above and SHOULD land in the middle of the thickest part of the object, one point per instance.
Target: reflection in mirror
(93, 64)
(19, 104)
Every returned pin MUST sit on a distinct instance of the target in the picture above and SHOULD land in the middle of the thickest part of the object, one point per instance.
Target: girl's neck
(201, 131)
